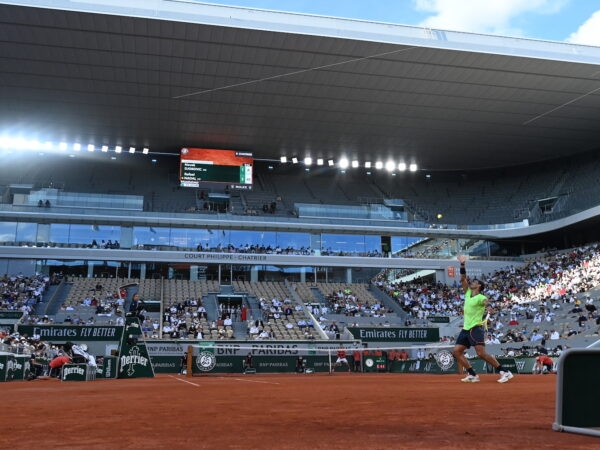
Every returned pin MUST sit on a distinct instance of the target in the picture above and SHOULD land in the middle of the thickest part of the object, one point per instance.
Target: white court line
(184, 381)
(255, 381)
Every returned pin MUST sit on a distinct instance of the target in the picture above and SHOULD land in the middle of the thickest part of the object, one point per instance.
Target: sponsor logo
(206, 361)
(134, 358)
(444, 359)
(73, 370)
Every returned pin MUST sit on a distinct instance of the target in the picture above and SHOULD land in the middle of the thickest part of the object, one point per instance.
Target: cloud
(588, 33)
(477, 16)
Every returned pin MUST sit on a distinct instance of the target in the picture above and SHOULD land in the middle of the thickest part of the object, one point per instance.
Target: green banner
(211, 363)
(7, 367)
(134, 360)
(79, 333)
(379, 334)
(8, 319)
(22, 367)
(107, 368)
(439, 319)
(78, 372)
(11, 315)
(511, 364)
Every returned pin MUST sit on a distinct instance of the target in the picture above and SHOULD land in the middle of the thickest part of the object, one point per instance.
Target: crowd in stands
(281, 318)
(348, 302)
(105, 244)
(23, 293)
(535, 293)
(181, 320)
(539, 303)
(255, 248)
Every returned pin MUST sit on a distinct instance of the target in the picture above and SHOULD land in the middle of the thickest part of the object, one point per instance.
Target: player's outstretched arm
(462, 259)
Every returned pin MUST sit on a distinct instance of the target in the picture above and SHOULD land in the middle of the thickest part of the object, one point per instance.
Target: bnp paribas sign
(384, 334)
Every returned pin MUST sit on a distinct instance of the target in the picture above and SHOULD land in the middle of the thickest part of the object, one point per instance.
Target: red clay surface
(316, 411)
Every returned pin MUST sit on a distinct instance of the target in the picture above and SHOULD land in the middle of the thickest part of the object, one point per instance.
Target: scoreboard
(201, 165)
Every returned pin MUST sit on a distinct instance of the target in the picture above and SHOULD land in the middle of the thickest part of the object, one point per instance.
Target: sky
(574, 21)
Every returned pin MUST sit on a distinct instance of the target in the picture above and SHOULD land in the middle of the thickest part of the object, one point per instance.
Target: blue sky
(576, 21)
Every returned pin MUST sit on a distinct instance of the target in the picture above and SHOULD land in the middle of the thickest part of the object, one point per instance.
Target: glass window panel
(26, 232)
(59, 233)
(151, 236)
(8, 232)
(400, 243)
(295, 241)
(349, 244)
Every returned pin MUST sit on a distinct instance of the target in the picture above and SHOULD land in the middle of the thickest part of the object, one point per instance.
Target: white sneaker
(505, 376)
(471, 379)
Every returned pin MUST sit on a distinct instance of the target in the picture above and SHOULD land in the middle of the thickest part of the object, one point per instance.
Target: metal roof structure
(167, 74)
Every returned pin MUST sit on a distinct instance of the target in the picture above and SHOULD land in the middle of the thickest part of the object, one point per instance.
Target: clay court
(311, 411)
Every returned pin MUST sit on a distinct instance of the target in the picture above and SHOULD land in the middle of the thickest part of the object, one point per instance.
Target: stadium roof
(165, 74)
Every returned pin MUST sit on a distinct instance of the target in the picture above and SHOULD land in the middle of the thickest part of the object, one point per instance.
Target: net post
(189, 362)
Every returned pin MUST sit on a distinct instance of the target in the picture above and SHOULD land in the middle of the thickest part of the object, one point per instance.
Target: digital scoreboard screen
(201, 165)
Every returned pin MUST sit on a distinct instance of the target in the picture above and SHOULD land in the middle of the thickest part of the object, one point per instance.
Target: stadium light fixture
(412, 167)
(308, 161)
(331, 163)
(367, 164)
(354, 164)
(62, 146)
(145, 150)
(319, 161)
(104, 148)
(77, 146)
(294, 160)
(402, 167)
(344, 163)
(132, 150)
(118, 149)
(91, 147)
(379, 165)
(390, 166)
(283, 159)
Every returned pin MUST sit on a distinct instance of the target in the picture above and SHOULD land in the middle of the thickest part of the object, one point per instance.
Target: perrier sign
(134, 361)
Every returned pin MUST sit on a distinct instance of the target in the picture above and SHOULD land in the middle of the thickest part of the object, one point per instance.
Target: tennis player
(473, 332)
(342, 358)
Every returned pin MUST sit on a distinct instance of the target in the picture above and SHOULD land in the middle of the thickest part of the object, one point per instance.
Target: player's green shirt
(474, 309)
